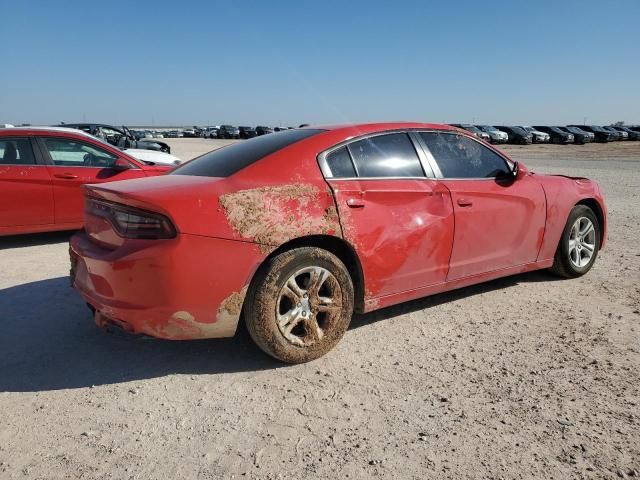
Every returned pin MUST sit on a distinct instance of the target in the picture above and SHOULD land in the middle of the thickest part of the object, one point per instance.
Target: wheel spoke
(587, 229)
(293, 290)
(326, 304)
(313, 328)
(318, 277)
(290, 319)
(590, 248)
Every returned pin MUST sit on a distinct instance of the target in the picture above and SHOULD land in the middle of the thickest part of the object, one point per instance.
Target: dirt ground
(524, 377)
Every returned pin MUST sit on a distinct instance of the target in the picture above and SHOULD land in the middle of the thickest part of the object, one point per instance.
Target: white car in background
(495, 135)
(152, 156)
(538, 136)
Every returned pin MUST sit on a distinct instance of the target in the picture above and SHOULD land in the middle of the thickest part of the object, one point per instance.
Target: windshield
(228, 160)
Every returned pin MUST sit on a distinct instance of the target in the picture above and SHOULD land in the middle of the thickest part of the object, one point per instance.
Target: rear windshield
(228, 160)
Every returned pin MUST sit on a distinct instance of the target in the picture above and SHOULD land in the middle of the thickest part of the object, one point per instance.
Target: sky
(289, 62)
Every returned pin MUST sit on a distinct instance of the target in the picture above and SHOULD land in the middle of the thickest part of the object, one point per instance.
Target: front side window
(72, 153)
(390, 155)
(461, 157)
(16, 151)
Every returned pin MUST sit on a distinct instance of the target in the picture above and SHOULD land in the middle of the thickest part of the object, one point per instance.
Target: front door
(499, 221)
(399, 221)
(73, 164)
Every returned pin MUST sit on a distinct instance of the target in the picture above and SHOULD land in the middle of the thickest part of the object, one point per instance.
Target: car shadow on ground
(35, 239)
(435, 300)
(50, 342)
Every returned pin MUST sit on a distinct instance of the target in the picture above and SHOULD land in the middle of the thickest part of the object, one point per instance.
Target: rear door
(74, 162)
(398, 218)
(499, 222)
(26, 191)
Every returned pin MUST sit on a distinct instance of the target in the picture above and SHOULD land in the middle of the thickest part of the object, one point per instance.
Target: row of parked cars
(516, 134)
(578, 134)
(216, 131)
(229, 131)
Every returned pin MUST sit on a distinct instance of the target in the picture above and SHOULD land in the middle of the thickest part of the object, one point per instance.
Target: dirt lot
(525, 377)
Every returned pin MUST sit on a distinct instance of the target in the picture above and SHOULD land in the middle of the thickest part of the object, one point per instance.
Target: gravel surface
(524, 377)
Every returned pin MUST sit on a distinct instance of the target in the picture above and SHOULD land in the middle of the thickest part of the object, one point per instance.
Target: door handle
(355, 203)
(66, 176)
(463, 202)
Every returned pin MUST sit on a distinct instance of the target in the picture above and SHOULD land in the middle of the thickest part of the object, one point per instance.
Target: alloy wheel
(582, 242)
(308, 305)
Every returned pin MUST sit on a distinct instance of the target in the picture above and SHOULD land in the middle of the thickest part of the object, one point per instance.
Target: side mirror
(514, 170)
(121, 165)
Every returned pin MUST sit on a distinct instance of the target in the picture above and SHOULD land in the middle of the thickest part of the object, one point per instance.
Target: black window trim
(38, 160)
(434, 164)
(413, 138)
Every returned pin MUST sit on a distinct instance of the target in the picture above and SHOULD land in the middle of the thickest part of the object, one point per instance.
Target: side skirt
(375, 303)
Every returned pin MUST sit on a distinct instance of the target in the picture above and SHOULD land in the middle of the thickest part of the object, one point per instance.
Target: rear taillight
(129, 222)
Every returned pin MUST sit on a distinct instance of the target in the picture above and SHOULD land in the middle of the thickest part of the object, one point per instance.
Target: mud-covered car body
(213, 223)
(42, 170)
(121, 137)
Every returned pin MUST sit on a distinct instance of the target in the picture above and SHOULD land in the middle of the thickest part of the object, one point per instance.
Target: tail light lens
(129, 222)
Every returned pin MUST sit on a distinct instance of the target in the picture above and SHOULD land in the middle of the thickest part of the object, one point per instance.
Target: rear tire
(300, 304)
(579, 244)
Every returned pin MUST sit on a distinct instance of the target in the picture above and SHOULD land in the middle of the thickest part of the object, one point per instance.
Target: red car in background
(42, 170)
(297, 229)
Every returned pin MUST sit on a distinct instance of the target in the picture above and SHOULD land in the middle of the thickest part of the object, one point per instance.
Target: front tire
(300, 304)
(579, 244)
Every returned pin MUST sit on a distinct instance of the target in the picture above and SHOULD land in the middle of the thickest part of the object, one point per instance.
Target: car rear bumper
(189, 287)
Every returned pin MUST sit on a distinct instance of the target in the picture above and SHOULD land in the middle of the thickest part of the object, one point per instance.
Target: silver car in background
(495, 135)
(473, 129)
(538, 136)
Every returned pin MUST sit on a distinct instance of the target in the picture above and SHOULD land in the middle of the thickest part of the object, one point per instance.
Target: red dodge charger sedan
(296, 230)
(42, 170)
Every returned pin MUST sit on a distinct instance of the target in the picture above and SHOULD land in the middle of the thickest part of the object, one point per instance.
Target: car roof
(35, 130)
(367, 128)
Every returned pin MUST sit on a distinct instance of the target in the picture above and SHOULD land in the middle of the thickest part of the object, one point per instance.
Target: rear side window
(340, 164)
(391, 155)
(16, 151)
(461, 157)
(229, 160)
